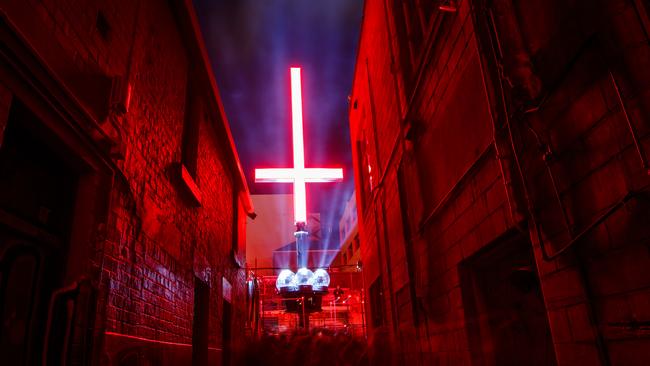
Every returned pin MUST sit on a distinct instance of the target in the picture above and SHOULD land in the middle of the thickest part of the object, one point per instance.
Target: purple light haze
(252, 44)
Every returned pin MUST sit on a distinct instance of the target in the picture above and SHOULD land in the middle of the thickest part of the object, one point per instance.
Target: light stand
(303, 291)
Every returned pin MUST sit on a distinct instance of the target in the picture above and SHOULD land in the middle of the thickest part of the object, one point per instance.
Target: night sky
(252, 44)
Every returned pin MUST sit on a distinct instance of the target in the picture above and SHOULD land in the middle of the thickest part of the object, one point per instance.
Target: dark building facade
(122, 200)
(501, 158)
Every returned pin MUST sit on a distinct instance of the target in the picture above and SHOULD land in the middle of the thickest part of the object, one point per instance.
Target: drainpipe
(517, 65)
(487, 45)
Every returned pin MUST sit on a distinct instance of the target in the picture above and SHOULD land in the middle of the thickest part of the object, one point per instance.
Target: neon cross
(298, 175)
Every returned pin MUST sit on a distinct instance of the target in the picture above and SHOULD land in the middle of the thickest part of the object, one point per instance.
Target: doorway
(201, 323)
(226, 332)
(507, 322)
(37, 199)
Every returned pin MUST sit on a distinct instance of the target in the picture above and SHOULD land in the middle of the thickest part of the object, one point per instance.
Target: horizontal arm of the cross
(322, 174)
(274, 175)
(288, 175)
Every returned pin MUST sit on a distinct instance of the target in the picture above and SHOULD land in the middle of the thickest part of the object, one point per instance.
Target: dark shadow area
(506, 317)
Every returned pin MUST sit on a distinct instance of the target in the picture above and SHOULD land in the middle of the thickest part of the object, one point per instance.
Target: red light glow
(298, 175)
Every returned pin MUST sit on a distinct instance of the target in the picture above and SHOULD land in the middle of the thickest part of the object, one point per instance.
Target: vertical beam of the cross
(299, 194)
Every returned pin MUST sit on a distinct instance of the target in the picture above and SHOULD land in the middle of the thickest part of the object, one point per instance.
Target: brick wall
(437, 124)
(155, 240)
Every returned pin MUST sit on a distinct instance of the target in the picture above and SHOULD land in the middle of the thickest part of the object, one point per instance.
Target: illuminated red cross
(298, 175)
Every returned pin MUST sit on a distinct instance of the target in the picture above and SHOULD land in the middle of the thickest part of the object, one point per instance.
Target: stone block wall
(464, 126)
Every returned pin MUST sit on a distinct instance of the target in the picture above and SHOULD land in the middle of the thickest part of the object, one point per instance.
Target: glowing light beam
(298, 175)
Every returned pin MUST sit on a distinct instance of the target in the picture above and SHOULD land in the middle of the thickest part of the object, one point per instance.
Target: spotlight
(285, 279)
(303, 277)
(304, 284)
(320, 280)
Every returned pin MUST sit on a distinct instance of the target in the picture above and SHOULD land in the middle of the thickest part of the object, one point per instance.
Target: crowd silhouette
(316, 348)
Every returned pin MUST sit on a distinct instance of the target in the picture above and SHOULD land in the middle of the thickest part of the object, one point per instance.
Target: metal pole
(349, 315)
(261, 289)
(302, 236)
(335, 324)
(305, 325)
(363, 305)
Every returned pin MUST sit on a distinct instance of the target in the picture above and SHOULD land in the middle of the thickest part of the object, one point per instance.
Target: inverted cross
(298, 175)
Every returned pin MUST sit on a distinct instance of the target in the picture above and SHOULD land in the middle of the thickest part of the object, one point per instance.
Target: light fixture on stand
(304, 284)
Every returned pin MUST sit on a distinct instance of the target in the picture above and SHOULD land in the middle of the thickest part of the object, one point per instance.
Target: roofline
(189, 19)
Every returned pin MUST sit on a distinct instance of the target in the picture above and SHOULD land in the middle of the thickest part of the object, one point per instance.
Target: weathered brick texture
(154, 242)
